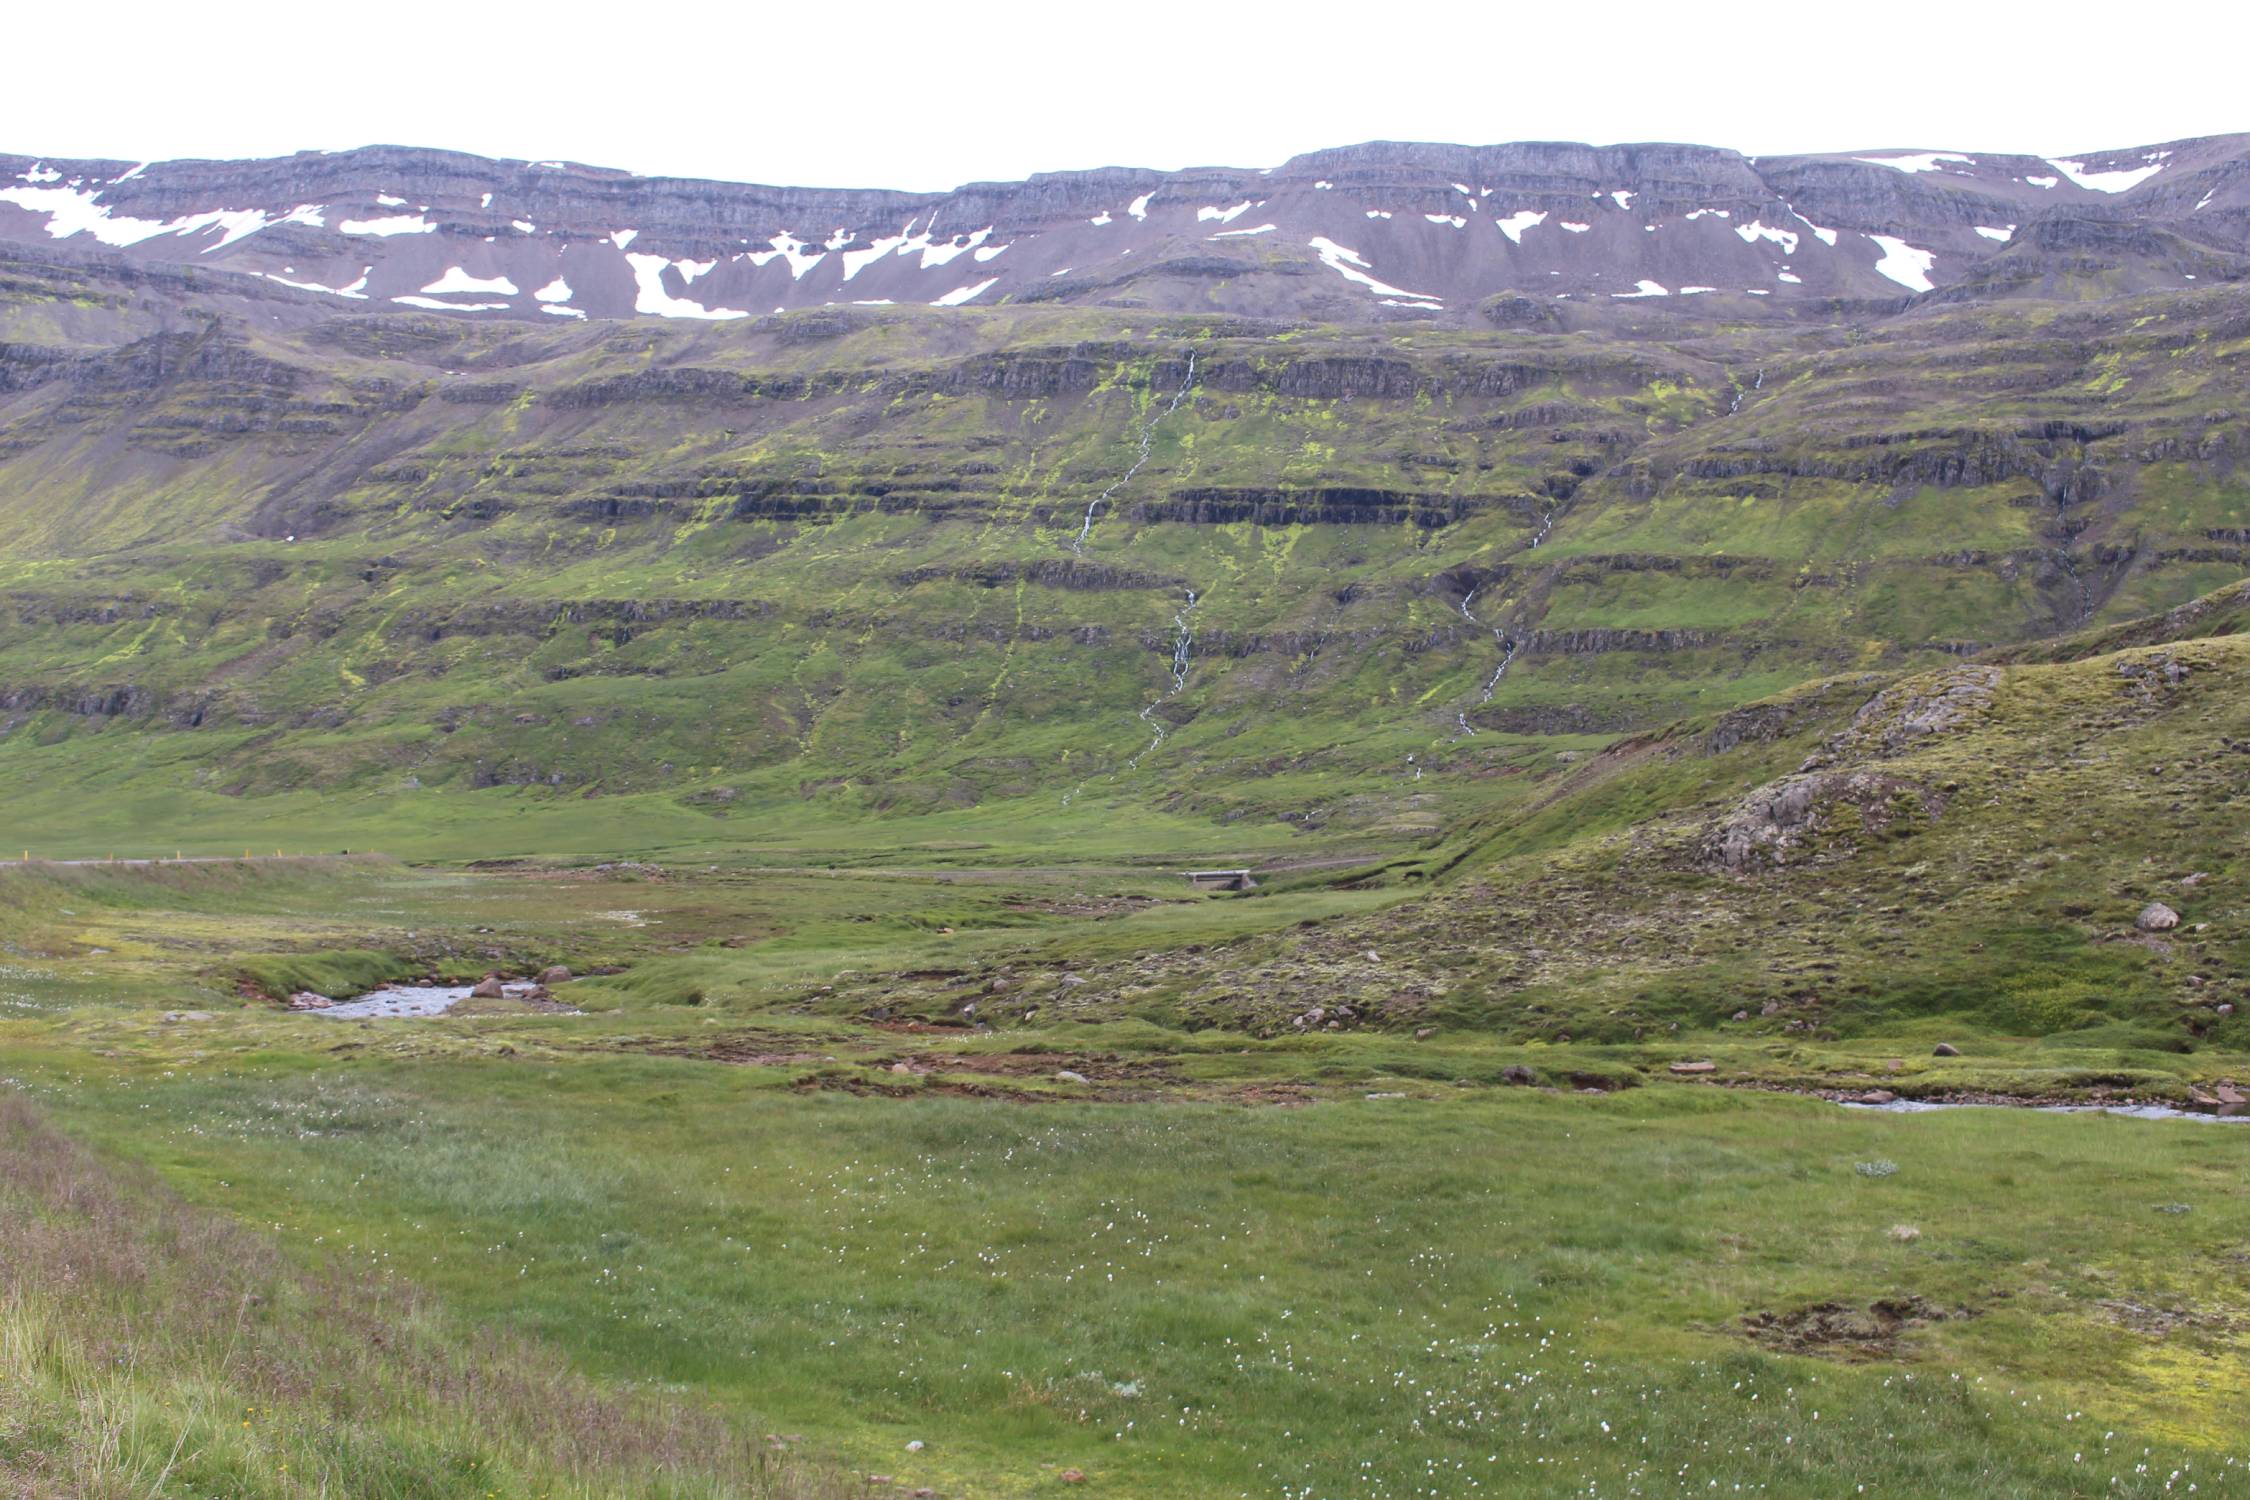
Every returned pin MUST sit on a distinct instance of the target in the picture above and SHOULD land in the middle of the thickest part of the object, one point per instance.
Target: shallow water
(399, 1000)
(2127, 1111)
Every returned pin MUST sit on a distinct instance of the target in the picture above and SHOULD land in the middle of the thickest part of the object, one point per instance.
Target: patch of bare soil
(1094, 1067)
(2162, 1320)
(1278, 1095)
(1096, 907)
(862, 1086)
(1838, 1330)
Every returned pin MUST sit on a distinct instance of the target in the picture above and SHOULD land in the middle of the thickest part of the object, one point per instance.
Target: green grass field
(1349, 1263)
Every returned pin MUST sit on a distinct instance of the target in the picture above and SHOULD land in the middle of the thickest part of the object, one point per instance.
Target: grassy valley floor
(1171, 1261)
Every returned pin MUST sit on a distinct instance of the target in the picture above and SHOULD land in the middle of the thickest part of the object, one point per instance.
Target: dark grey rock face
(1522, 234)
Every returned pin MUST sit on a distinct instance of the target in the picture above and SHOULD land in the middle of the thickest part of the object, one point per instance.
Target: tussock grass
(148, 1347)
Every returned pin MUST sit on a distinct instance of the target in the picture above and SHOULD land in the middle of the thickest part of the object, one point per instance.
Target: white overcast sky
(930, 95)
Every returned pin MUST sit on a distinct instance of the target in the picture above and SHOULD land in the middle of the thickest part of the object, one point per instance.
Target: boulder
(555, 974)
(308, 1000)
(1945, 1049)
(2157, 917)
(1695, 1067)
(488, 988)
(187, 1015)
(1424, 1033)
(1066, 1076)
(1517, 1073)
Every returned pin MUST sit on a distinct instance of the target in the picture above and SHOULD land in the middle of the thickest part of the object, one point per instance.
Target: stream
(1148, 436)
(2123, 1111)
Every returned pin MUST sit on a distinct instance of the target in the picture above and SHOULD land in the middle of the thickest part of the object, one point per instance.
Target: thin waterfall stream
(1183, 626)
(1147, 437)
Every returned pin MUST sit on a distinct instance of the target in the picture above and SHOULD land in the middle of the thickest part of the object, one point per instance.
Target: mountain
(1379, 232)
(1234, 542)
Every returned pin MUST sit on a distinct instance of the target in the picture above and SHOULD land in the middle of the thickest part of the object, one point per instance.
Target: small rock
(488, 988)
(1424, 1033)
(2190, 882)
(1372, 956)
(1517, 1073)
(1742, 1015)
(1073, 979)
(1067, 1076)
(1877, 1096)
(555, 974)
(916, 1446)
(2225, 1008)
(1072, 1476)
(1905, 1234)
(308, 1000)
(900, 1067)
(1945, 1049)
(187, 1015)
(2157, 917)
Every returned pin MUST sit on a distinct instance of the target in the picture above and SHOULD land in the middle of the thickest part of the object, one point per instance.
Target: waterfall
(1183, 646)
(1147, 437)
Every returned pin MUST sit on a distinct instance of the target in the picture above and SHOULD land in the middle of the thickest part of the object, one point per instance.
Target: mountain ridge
(1373, 232)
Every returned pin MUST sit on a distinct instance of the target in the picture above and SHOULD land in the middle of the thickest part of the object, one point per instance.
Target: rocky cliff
(1375, 232)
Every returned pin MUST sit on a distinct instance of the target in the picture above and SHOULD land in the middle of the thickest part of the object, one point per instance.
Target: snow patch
(1690, 291)
(1903, 263)
(557, 290)
(1790, 277)
(648, 277)
(2104, 182)
(2003, 234)
(1755, 231)
(1925, 161)
(356, 290)
(73, 210)
(789, 248)
(1101, 220)
(523, 226)
(40, 172)
(485, 201)
(1516, 223)
(1228, 234)
(1623, 198)
(434, 305)
(623, 237)
(1716, 213)
(128, 176)
(989, 252)
(1223, 215)
(1645, 289)
(384, 228)
(1454, 219)
(563, 312)
(1825, 236)
(1578, 228)
(1138, 208)
(2206, 203)
(1352, 267)
(1378, 213)
(456, 279)
(2042, 182)
(963, 294)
